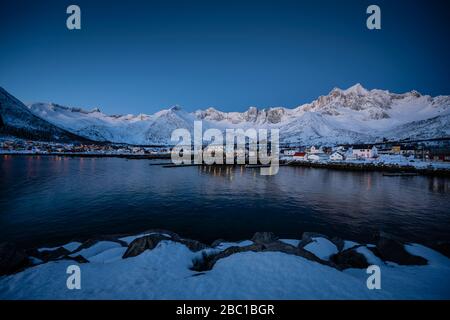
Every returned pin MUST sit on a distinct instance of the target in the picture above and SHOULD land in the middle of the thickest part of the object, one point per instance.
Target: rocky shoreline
(379, 167)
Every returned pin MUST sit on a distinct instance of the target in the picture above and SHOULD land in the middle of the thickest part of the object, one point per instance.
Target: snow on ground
(411, 282)
(292, 242)
(109, 255)
(130, 239)
(164, 273)
(406, 161)
(321, 247)
(71, 246)
(349, 244)
(370, 256)
(388, 160)
(97, 248)
(225, 245)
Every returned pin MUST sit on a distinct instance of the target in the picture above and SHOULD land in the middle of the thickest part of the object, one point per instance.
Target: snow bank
(322, 248)
(71, 246)
(164, 273)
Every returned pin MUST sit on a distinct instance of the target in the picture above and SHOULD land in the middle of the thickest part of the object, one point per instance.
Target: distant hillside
(16, 119)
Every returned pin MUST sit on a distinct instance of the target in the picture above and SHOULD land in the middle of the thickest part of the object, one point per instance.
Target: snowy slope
(16, 119)
(140, 129)
(343, 116)
(434, 127)
(351, 115)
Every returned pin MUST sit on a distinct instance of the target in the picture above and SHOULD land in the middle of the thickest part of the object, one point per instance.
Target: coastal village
(410, 153)
(20, 146)
(366, 152)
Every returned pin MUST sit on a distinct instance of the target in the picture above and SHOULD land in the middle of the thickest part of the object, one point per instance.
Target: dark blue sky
(142, 56)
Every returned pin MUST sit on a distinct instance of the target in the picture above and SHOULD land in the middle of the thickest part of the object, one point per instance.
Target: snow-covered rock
(165, 272)
(321, 248)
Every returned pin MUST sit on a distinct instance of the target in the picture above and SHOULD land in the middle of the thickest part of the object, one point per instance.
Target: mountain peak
(356, 89)
(175, 108)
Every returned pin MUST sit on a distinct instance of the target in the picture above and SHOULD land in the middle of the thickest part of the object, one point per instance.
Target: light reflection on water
(45, 199)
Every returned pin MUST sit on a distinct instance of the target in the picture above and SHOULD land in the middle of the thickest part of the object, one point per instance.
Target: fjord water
(48, 200)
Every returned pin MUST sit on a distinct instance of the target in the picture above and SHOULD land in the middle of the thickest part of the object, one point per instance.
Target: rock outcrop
(12, 258)
(349, 258)
(392, 249)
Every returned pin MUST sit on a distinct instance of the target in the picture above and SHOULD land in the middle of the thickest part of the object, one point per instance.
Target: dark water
(49, 200)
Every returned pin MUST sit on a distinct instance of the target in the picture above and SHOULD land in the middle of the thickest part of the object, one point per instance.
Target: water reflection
(45, 199)
(437, 184)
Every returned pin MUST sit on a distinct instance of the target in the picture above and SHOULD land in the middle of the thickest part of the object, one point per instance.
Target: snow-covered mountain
(16, 119)
(352, 115)
(343, 116)
(141, 129)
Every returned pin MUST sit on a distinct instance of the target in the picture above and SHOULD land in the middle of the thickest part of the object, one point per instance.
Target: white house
(289, 152)
(337, 156)
(137, 150)
(364, 152)
(315, 150)
(215, 147)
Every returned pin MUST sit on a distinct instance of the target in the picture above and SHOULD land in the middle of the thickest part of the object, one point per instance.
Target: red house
(300, 156)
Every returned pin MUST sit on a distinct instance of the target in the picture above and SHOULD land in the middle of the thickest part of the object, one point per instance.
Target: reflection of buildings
(438, 184)
(222, 171)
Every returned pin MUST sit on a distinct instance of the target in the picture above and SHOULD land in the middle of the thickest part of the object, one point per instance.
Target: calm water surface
(49, 200)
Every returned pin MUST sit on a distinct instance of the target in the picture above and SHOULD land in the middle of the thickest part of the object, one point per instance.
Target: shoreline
(342, 166)
(371, 167)
(91, 155)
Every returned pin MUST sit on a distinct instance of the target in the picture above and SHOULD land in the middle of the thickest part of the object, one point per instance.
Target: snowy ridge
(17, 119)
(343, 116)
(95, 125)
